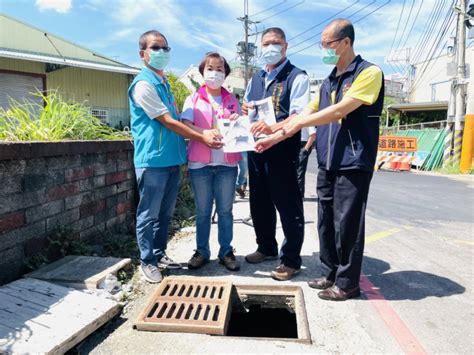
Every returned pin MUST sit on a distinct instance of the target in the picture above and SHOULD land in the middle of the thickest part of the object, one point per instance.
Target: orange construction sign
(397, 144)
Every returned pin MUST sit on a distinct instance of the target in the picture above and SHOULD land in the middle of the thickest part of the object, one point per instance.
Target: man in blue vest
(347, 113)
(159, 150)
(272, 175)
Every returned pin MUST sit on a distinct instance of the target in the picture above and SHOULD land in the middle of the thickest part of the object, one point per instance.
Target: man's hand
(260, 127)
(212, 138)
(266, 143)
(292, 127)
(245, 108)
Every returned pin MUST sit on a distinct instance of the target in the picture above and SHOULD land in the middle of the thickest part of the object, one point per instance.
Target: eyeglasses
(157, 48)
(326, 44)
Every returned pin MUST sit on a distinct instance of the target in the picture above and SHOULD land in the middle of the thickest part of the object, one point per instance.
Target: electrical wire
(432, 56)
(267, 9)
(363, 17)
(282, 11)
(406, 23)
(413, 24)
(323, 21)
(420, 47)
(396, 31)
(317, 34)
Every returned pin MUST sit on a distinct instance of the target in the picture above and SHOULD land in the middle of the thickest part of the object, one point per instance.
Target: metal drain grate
(191, 305)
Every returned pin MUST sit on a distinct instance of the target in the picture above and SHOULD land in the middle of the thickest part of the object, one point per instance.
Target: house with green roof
(34, 60)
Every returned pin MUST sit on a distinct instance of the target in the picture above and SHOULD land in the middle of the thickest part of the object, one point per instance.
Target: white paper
(262, 110)
(237, 136)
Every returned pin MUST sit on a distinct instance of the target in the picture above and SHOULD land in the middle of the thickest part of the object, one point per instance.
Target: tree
(394, 117)
(179, 90)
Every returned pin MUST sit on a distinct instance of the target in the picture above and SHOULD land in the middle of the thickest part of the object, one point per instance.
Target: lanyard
(277, 90)
(217, 111)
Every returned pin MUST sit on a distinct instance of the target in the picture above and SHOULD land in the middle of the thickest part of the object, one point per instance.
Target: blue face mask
(329, 56)
(159, 59)
(271, 54)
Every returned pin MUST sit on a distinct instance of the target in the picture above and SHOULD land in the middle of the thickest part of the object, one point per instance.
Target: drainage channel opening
(263, 316)
(260, 322)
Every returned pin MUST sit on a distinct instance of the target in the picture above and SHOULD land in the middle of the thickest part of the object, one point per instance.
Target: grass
(452, 168)
(54, 121)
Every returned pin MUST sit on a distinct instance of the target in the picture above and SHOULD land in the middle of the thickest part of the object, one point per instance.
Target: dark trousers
(303, 164)
(274, 186)
(341, 224)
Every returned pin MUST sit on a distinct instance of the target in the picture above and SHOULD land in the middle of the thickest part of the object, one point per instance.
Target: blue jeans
(158, 190)
(209, 183)
(243, 171)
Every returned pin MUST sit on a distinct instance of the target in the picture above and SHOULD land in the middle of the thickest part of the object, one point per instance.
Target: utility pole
(246, 50)
(460, 86)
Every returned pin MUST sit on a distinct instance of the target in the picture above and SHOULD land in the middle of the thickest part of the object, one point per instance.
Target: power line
(268, 9)
(324, 21)
(282, 11)
(396, 31)
(363, 17)
(429, 30)
(413, 24)
(447, 23)
(406, 23)
(317, 34)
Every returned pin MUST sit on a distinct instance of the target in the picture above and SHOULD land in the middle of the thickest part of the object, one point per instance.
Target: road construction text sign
(397, 144)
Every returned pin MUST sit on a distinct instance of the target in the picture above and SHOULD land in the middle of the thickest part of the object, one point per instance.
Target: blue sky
(193, 27)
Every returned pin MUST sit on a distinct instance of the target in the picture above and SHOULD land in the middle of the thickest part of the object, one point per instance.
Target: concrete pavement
(417, 283)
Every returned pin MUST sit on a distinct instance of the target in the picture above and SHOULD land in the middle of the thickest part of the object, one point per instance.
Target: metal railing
(392, 130)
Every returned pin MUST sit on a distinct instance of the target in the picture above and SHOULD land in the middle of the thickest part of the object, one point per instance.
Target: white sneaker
(167, 263)
(151, 273)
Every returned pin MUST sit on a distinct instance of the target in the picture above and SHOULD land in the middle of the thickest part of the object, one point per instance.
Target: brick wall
(84, 186)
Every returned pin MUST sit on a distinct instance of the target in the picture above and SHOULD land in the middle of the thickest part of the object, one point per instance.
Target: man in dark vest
(272, 175)
(347, 113)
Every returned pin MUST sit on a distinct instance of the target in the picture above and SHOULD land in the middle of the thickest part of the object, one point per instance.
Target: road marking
(402, 334)
(404, 337)
(461, 241)
(383, 234)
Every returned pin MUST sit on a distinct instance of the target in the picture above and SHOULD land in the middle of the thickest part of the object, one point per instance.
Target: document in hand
(237, 136)
(262, 110)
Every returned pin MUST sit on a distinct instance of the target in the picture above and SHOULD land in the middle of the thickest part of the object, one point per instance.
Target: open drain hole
(263, 322)
(267, 312)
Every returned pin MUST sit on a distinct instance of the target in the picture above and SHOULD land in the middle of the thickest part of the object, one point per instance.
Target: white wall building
(435, 84)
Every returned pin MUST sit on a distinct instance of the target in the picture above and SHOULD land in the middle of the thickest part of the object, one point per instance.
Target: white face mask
(214, 79)
(271, 54)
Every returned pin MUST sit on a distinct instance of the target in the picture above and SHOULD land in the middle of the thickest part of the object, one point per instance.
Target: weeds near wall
(54, 121)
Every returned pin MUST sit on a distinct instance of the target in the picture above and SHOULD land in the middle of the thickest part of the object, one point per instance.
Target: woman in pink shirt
(212, 172)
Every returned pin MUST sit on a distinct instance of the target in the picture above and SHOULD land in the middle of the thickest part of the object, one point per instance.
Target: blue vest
(155, 146)
(279, 89)
(351, 144)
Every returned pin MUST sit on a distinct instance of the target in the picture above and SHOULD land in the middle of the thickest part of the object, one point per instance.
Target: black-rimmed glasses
(326, 44)
(157, 48)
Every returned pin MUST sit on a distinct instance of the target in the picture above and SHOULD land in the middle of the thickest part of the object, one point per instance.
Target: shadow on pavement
(394, 286)
(408, 284)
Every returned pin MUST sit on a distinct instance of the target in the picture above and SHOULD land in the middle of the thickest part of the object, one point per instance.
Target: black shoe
(229, 262)
(197, 261)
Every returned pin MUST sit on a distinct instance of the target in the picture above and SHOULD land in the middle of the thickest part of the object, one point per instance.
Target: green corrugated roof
(16, 36)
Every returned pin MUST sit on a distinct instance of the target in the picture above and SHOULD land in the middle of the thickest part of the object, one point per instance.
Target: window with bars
(102, 115)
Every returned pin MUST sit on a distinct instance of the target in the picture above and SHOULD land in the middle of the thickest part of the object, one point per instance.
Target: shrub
(54, 121)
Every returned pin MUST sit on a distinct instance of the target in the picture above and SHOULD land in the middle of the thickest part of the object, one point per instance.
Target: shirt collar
(159, 77)
(275, 71)
(350, 67)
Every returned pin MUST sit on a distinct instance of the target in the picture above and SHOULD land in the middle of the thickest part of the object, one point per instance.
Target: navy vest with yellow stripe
(352, 143)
